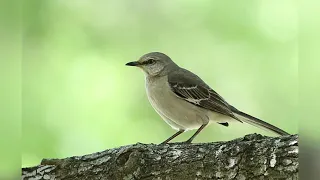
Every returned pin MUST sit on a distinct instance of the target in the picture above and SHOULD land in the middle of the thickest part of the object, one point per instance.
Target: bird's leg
(196, 133)
(173, 136)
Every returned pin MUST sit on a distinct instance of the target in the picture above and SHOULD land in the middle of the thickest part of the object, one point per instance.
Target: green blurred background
(78, 97)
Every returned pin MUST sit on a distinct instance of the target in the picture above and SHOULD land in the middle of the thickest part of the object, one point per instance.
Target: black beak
(134, 63)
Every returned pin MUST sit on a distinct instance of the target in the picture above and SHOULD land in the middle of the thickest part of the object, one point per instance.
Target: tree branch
(251, 157)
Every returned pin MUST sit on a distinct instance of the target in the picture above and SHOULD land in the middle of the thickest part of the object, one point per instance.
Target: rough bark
(251, 157)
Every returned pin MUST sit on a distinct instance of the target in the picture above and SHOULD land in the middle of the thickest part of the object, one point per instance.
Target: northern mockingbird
(186, 102)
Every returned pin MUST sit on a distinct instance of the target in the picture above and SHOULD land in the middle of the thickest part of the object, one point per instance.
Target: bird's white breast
(178, 113)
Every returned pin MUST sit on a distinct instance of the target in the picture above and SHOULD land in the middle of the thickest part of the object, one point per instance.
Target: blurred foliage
(78, 97)
(10, 90)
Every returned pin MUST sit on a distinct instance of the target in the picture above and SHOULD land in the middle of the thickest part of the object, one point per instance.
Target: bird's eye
(150, 61)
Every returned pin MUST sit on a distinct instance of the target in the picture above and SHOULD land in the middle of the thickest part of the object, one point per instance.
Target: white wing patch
(190, 99)
(186, 88)
(194, 101)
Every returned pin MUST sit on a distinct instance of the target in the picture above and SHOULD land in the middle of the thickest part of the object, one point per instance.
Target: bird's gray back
(185, 76)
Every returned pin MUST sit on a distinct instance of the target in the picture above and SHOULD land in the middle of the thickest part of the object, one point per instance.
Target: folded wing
(192, 89)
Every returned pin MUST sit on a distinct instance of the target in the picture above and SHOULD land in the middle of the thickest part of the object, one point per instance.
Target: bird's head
(154, 63)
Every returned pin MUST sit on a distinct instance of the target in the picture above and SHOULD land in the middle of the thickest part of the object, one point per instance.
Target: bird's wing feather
(191, 88)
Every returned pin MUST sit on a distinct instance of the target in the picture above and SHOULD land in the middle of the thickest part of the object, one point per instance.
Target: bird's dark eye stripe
(150, 61)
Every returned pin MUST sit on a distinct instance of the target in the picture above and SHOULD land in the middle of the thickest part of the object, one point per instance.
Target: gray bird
(186, 102)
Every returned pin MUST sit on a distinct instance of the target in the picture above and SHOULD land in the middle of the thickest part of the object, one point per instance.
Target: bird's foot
(187, 141)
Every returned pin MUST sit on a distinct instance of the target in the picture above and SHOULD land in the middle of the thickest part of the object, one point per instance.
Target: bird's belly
(178, 113)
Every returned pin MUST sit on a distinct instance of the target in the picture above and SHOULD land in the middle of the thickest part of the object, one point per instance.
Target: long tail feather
(259, 123)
